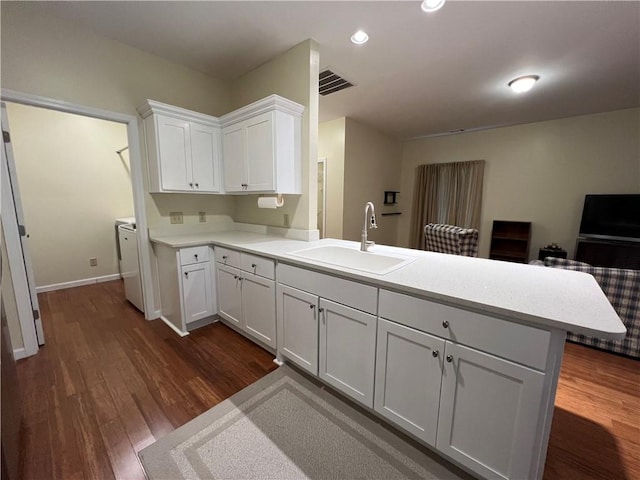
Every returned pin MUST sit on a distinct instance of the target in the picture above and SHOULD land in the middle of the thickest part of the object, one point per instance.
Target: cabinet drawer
(194, 255)
(227, 257)
(346, 292)
(260, 266)
(520, 343)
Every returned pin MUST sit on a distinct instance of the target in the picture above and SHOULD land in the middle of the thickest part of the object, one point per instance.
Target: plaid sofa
(451, 239)
(622, 288)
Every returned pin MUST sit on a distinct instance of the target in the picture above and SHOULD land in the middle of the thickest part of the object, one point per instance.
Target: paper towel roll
(270, 202)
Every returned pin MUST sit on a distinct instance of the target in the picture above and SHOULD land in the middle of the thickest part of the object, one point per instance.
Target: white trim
(77, 283)
(173, 327)
(19, 354)
(323, 160)
(135, 161)
(152, 107)
(268, 104)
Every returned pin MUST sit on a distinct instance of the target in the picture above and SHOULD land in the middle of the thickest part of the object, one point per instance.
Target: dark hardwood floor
(108, 383)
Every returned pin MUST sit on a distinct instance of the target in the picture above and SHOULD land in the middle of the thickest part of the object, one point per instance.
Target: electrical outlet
(202, 216)
(176, 217)
(93, 262)
(286, 220)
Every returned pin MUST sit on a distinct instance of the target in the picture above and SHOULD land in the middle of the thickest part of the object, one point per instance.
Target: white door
(229, 294)
(408, 378)
(259, 308)
(347, 350)
(489, 411)
(261, 165)
(298, 327)
(234, 158)
(196, 287)
(17, 246)
(204, 158)
(174, 142)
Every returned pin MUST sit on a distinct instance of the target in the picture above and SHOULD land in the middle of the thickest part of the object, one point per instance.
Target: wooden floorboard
(108, 383)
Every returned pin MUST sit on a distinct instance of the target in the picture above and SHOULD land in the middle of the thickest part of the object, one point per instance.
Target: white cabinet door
(298, 327)
(196, 291)
(204, 158)
(489, 411)
(259, 308)
(234, 153)
(229, 294)
(347, 350)
(408, 378)
(174, 150)
(260, 163)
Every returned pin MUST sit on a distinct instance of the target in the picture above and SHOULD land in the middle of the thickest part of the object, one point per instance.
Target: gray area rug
(286, 427)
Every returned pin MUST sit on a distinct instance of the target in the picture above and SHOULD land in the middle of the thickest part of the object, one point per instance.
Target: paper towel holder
(271, 202)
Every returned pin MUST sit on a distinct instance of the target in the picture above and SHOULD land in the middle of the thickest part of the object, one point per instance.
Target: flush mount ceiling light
(523, 84)
(432, 5)
(360, 37)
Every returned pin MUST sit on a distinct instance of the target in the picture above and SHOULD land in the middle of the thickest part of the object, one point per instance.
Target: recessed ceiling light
(432, 5)
(360, 37)
(523, 84)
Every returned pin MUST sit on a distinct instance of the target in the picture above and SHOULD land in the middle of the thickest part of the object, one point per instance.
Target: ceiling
(420, 74)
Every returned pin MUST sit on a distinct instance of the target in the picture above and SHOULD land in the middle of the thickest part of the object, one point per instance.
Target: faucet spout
(369, 222)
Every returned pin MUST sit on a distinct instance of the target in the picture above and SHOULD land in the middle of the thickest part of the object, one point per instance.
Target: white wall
(372, 165)
(538, 172)
(331, 146)
(73, 185)
(292, 75)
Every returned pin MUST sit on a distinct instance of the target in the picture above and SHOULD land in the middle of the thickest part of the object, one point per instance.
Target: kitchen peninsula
(461, 353)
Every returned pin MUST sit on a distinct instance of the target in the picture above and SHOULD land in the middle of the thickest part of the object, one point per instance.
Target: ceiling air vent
(331, 82)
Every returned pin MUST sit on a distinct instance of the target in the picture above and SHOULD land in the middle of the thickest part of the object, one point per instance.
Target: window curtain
(449, 193)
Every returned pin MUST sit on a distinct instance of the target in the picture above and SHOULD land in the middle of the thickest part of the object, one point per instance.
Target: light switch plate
(202, 216)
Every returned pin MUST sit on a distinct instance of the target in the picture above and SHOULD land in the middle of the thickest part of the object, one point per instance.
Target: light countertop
(529, 294)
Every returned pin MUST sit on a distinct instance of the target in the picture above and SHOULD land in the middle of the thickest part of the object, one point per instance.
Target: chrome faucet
(371, 221)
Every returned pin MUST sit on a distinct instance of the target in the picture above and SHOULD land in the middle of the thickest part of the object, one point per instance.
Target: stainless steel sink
(372, 262)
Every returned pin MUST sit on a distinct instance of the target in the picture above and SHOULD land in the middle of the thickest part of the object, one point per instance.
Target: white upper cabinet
(183, 149)
(262, 147)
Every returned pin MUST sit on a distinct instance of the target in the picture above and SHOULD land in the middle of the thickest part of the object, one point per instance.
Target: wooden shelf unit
(510, 241)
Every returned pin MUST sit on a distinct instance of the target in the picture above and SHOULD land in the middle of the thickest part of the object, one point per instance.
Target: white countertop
(529, 294)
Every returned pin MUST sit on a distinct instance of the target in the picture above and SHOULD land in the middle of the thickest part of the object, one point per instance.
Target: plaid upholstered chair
(622, 288)
(451, 239)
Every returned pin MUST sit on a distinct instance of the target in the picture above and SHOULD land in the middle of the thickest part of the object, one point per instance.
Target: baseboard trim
(77, 283)
(173, 327)
(19, 353)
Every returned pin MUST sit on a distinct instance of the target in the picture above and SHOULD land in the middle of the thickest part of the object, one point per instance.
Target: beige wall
(292, 75)
(538, 172)
(372, 165)
(54, 58)
(72, 185)
(331, 146)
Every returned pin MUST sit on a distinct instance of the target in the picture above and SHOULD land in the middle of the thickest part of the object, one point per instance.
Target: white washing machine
(122, 221)
(129, 264)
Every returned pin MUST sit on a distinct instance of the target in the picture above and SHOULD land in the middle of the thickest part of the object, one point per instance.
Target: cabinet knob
(186, 274)
(253, 265)
(449, 358)
(235, 277)
(224, 257)
(435, 353)
(195, 256)
(312, 307)
(197, 185)
(445, 324)
(191, 184)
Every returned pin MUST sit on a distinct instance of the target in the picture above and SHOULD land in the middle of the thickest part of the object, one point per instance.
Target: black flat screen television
(615, 217)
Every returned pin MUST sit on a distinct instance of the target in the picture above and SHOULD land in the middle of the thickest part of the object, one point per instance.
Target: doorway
(322, 200)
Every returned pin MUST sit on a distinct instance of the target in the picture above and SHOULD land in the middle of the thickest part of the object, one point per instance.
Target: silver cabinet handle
(449, 358)
(445, 324)
(435, 353)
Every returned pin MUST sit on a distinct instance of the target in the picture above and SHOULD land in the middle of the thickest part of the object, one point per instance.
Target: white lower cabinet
(196, 291)
(298, 327)
(489, 411)
(247, 300)
(347, 350)
(408, 378)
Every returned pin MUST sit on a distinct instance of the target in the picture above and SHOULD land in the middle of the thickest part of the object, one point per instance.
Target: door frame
(132, 123)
